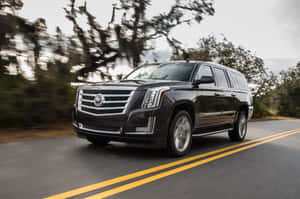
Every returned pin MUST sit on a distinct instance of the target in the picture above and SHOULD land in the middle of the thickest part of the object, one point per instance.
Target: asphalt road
(265, 168)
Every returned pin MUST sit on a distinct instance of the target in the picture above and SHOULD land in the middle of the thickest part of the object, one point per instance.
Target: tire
(180, 134)
(239, 131)
(98, 142)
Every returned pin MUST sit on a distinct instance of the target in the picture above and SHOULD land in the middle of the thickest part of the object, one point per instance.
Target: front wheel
(180, 134)
(239, 131)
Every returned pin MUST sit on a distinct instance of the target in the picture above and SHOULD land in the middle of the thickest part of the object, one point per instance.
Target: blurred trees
(288, 92)
(45, 97)
(129, 36)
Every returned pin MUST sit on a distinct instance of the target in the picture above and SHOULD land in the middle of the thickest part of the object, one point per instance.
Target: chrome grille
(115, 100)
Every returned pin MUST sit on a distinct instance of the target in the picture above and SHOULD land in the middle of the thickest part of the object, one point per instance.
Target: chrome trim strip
(89, 95)
(116, 95)
(106, 95)
(99, 131)
(211, 133)
(115, 102)
(109, 88)
(105, 102)
(112, 132)
(101, 114)
(139, 133)
(103, 108)
(129, 99)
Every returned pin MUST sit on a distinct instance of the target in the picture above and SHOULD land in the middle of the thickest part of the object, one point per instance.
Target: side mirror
(204, 80)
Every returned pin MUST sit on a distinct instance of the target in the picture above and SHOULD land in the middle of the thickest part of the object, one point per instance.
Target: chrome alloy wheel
(242, 126)
(182, 135)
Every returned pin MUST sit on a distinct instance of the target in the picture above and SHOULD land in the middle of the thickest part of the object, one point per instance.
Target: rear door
(225, 97)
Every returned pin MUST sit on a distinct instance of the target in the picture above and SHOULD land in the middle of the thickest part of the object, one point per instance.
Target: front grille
(114, 100)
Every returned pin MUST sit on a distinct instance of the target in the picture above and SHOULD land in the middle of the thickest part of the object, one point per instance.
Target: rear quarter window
(233, 79)
(221, 78)
(238, 80)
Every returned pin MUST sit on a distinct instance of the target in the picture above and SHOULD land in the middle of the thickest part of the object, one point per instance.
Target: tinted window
(242, 81)
(174, 71)
(238, 80)
(205, 71)
(233, 79)
(221, 78)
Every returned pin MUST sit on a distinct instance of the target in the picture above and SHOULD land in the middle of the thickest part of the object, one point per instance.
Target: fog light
(150, 126)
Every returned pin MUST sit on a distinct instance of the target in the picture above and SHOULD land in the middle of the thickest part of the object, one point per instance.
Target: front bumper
(250, 112)
(130, 138)
(141, 125)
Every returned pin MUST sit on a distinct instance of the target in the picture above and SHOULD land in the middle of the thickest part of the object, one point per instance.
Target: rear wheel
(98, 142)
(239, 131)
(180, 134)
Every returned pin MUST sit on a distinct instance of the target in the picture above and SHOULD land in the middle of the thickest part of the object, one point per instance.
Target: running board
(212, 133)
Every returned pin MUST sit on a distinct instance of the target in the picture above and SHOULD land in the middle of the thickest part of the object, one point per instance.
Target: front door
(208, 106)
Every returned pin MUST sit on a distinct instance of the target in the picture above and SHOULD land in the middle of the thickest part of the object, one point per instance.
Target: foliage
(129, 36)
(289, 92)
(26, 103)
(48, 96)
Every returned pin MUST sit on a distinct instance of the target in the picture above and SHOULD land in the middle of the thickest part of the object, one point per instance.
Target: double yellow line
(237, 148)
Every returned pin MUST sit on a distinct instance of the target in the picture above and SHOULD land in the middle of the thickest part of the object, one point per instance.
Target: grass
(272, 118)
(12, 135)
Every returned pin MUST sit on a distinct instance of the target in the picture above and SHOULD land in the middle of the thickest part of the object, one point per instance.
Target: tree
(226, 53)
(11, 26)
(129, 36)
(48, 96)
(289, 92)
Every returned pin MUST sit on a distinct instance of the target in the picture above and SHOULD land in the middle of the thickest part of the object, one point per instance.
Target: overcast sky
(270, 28)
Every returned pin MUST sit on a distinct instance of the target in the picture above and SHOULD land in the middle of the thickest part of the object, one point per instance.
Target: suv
(165, 104)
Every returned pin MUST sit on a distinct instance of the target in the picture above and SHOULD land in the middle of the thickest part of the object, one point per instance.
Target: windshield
(172, 71)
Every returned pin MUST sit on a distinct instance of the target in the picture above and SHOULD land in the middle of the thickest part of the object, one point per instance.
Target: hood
(144, 84)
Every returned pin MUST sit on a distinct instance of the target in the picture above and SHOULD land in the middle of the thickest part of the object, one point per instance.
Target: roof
(198, 62)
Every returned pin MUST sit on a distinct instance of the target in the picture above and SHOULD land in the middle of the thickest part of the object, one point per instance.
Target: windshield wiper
(133, 80)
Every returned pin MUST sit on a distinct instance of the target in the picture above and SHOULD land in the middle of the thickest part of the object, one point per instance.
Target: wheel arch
(245, 108)
(184, 105)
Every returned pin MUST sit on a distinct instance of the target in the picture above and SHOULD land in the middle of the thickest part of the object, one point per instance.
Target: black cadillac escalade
(165, 104)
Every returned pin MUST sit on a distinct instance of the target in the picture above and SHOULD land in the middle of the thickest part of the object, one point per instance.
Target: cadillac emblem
(98, 100)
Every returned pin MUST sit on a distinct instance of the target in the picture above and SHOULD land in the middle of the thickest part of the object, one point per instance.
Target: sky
(269, 28)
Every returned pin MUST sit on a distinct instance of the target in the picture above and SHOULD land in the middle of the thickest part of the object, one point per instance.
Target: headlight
(152, 97)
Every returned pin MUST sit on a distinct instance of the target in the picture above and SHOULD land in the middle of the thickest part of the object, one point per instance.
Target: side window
(238, 81)
(221, 78)
(242, 82)
(205, 71)
(233, 79)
